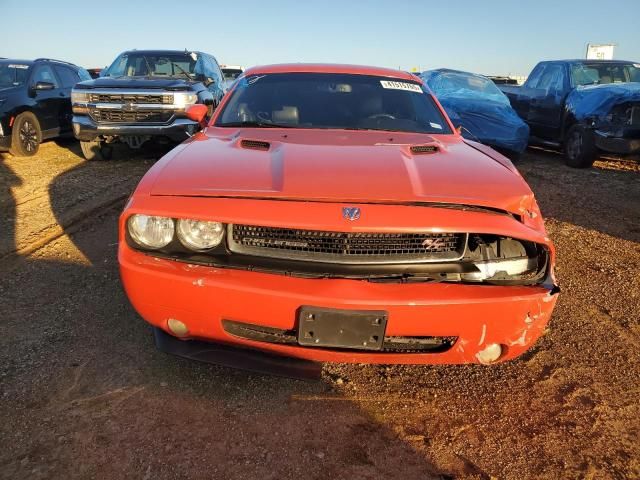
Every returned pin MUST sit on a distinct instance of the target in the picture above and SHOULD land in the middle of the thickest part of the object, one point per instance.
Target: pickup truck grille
(136, 116)
(159, 99)
(345, 247)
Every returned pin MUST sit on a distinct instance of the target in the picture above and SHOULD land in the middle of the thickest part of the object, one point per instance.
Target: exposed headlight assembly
(200, 235)
(506, 268)
(503, 259)
(151, 232)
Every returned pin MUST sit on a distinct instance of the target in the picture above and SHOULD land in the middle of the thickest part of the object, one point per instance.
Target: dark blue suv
(35, 102)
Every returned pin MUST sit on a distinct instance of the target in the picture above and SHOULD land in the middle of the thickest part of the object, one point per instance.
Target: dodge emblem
(351, 213)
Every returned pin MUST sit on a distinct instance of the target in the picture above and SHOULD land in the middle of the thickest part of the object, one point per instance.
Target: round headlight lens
(200, 235)
(150, 231)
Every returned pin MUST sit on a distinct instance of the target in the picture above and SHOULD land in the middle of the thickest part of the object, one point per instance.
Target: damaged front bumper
(214, 302)
(621, 142)
(232, 305)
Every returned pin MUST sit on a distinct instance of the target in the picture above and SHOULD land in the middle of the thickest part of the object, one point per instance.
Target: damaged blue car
(474, 103)
(584, 107)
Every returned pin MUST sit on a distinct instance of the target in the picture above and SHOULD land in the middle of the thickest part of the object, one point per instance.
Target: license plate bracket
(336, 328)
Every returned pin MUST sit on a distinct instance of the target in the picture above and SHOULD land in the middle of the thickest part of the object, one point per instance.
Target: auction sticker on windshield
(410, 87)
(12, 65)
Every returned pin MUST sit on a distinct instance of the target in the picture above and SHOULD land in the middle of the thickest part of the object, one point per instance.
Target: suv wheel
(26, 135)
(579, 147)
(96, 150)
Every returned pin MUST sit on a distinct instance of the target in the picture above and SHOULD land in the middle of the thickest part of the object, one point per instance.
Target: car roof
(38, 60)
(16, 60)
(331, 68)
(452, 70)
(585, 60)
(162, 52)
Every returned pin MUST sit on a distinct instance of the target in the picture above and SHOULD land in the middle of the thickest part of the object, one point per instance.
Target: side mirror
(459, 129)
(197, 113)
(44, 86)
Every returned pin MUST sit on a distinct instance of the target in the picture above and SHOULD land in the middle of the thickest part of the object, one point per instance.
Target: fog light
(177, 327)
(490, 354)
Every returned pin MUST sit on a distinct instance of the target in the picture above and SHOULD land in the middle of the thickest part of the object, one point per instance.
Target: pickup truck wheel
(96, 150)
(26, 135)
(579, 147)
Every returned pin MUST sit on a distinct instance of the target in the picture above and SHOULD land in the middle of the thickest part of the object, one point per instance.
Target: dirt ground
(84, 393)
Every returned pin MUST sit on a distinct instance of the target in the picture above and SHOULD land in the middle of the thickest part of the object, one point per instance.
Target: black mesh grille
(138, 116)
(341, 246)
(159, 99)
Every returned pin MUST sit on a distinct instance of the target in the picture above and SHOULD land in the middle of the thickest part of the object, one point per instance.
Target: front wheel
(26, 135)
(580, 147)
(96, 150)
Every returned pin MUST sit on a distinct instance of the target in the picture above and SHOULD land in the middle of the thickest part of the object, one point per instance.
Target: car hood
(341, 166)
(598, 100)
(137, 82)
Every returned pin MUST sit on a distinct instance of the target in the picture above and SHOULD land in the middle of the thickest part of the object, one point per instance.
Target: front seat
(287, 116)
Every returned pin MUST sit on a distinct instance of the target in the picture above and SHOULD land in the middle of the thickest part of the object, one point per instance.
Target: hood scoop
(423, 149)
(255, 144)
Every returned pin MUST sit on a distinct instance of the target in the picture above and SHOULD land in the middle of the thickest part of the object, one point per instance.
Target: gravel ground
(84, 394)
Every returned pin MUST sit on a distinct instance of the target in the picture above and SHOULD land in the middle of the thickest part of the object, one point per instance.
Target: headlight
(182, 99)
(78, 96)
(149, 231)
(491, 268)
(200, 235)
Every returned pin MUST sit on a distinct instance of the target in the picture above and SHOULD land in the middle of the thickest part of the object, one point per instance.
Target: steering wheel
(264, 117)
(381, 115)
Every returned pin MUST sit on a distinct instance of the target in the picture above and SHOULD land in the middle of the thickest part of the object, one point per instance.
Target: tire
(96, 150)
(580, 147)
(26, 135)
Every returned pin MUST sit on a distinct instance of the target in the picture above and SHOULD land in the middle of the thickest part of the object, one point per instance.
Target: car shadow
(8, 181)
(83, 384)
(87, 385)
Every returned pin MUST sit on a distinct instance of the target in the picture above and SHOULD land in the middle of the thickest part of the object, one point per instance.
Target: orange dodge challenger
(334, 213)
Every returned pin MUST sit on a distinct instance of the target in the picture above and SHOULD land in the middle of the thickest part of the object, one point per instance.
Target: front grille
(157, 99)
(131, 116)
(345, 247)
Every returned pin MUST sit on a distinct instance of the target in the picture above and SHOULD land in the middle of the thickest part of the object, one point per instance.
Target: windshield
(326, 100)
(13, 74)
(603, 73)
(231, 73)
(459, 84)
(141, 64)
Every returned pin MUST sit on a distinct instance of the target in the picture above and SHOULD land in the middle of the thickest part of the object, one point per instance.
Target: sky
(492, 37)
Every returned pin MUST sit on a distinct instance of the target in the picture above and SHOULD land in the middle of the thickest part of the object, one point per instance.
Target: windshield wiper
(182, 70)
(253, 125)
(146, 62)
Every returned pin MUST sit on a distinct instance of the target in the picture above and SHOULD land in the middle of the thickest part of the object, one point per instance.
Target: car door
(47, 103)
(521, 97)
(547, 101)
(68, 78)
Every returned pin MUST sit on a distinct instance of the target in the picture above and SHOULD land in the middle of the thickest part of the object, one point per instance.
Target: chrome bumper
(86, 130)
